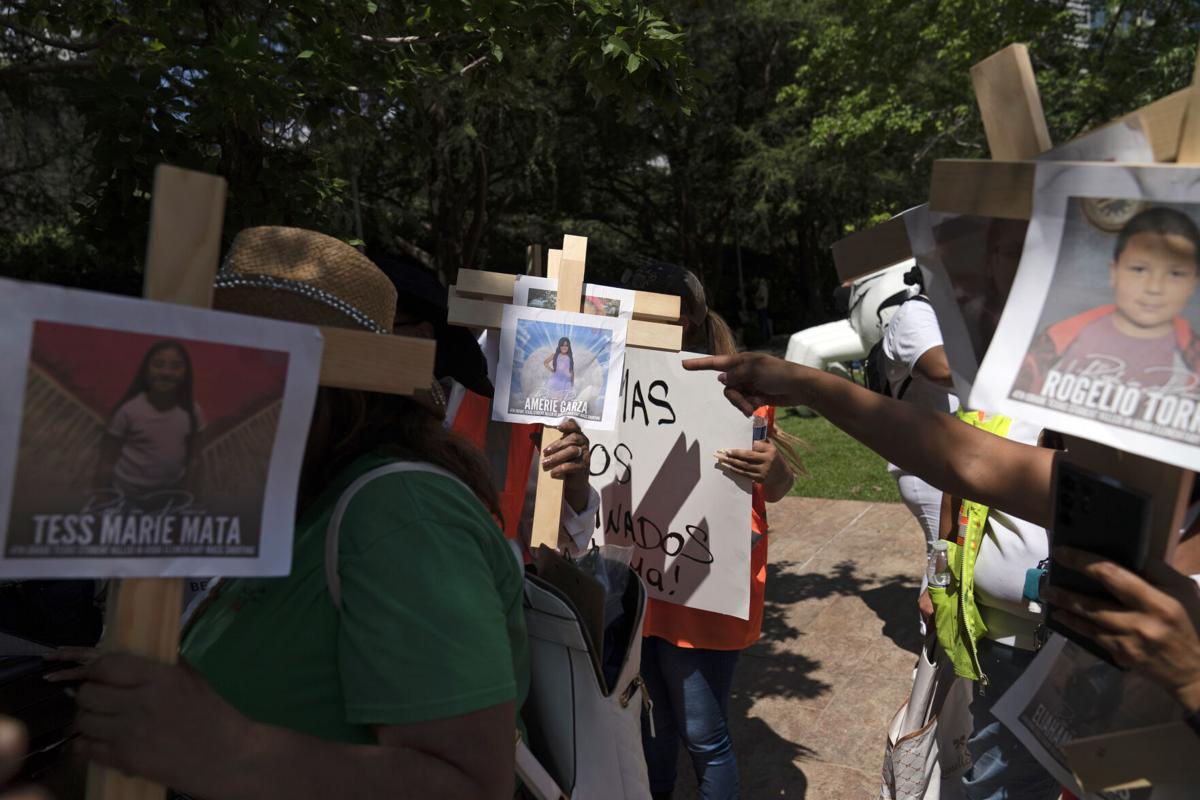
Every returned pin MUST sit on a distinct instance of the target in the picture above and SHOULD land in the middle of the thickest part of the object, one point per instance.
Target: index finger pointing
(717, 363)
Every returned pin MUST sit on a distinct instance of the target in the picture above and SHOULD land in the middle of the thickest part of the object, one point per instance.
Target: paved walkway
(811, 701)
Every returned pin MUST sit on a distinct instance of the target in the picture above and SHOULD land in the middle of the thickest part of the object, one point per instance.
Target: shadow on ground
(775, 670)
(893, 598)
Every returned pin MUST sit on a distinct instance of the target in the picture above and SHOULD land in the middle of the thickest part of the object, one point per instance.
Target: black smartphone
(1100, 515)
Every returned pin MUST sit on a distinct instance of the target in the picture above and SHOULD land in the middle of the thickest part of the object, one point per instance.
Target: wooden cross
(1015, 128)
(478, 299)
(1172, 126)
(1003, 188)
(186, 213)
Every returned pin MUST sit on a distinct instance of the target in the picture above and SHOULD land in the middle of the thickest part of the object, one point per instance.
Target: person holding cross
(409, 679)
(689, 655)
(1152, 624)
(464, 368)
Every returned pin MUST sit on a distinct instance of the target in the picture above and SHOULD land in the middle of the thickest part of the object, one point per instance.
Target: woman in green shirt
(412, 686)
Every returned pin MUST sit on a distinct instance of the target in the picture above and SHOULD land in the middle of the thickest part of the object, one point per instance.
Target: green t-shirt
(431, 626)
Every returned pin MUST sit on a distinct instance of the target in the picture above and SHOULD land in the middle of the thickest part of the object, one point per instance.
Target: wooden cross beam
(477, 300)
(1015, 127)
(1005, 188)
(186, 213)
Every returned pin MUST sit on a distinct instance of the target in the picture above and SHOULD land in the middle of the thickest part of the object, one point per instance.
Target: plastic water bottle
(760, 428)
(939, 564)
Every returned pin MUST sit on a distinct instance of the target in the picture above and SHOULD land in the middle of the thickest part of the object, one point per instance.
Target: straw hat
(304, 276)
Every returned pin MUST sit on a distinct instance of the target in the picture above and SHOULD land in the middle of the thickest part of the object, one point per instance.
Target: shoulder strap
(898, 299)
(332, 580)
(534, 777)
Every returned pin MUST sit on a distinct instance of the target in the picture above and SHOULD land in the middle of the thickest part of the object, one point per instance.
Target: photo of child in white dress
(150, 441)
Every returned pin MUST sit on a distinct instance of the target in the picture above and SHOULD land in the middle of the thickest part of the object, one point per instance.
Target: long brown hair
(722, 343)
(348, 424)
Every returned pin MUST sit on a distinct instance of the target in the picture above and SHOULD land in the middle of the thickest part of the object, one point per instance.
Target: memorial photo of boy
(1133, 357)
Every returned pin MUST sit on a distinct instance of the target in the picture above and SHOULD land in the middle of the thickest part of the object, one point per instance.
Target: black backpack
(873, 371)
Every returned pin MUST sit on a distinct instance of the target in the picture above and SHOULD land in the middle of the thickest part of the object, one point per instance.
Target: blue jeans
(690, 691)
(1002, 769)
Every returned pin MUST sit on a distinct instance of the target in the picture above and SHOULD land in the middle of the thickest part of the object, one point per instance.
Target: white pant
(925, 503)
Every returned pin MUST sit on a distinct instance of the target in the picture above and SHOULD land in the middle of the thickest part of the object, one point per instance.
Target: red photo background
(97, 365)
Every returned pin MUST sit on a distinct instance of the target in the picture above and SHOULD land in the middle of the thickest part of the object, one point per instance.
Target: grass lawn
(839, 467)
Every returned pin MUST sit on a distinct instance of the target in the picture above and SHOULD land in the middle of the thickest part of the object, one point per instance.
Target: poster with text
(555, 365)
(603, 301)
(1098, 337)
(1067, 694)
(969, 263)
(148, 439)
(662, 492)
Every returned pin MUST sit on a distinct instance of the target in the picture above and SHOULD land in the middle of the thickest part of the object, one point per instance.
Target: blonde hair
(720, 337)
(722, 343)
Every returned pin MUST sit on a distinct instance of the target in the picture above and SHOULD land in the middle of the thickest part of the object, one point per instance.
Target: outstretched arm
(956, 458)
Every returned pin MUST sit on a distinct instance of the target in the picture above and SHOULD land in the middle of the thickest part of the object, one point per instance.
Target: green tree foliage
(737, 137)
(882, 89)
(281, 99)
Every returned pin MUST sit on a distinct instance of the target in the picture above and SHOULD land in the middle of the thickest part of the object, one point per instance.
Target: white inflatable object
(827, 347)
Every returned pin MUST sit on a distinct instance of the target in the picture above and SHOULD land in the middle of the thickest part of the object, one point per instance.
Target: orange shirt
(472, 421)
(691, 627)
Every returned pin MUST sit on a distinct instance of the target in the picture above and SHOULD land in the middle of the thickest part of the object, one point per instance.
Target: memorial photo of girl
(561, 364)
(150, 438)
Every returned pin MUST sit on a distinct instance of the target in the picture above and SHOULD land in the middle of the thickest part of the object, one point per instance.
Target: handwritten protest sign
(662, 492)
(1100, 325)
(146, 439)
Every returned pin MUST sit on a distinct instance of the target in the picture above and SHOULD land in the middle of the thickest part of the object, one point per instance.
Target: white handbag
(589, 739)
(926, 753)
(585, 743)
